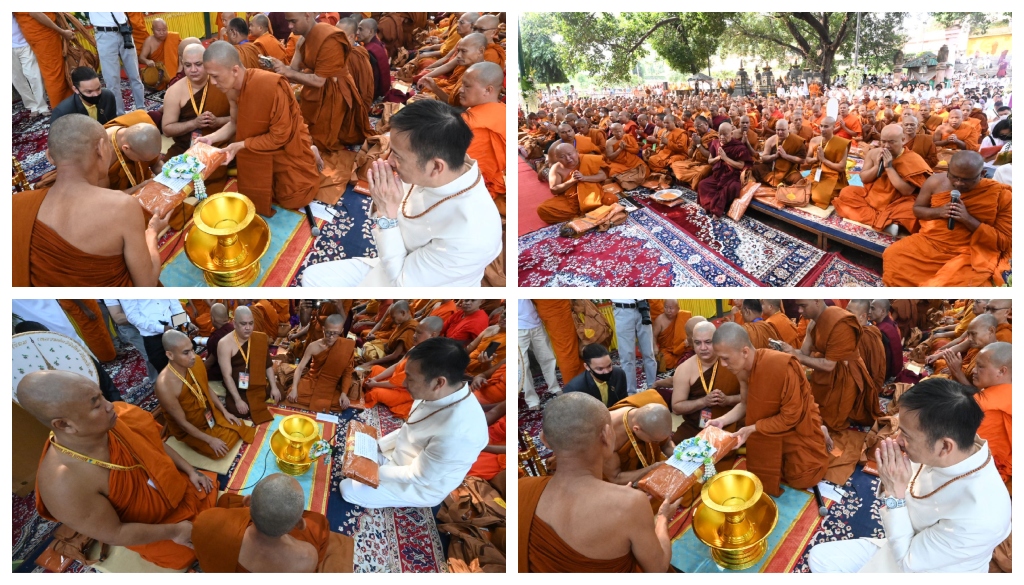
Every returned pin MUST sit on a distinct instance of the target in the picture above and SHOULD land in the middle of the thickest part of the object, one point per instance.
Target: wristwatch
(385, 223)
(893, 503)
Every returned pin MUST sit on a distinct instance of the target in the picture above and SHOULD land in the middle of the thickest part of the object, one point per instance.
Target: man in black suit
(601, 379)
(90, 98)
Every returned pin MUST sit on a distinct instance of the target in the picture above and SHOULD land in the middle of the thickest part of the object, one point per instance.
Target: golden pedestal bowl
(292, 441)
(734, 518)
(227, 240)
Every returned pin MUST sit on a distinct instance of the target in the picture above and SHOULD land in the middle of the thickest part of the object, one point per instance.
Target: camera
(645, 311)
(125, 30)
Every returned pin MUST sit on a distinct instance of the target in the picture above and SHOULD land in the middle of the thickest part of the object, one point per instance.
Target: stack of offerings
(360, 460)
(158, 198)
(668, 483)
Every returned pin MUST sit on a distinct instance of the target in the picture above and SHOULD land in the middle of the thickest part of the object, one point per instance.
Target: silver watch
(385, 223)
(893, 503)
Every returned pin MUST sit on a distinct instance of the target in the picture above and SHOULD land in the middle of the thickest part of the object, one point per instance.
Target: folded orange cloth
(158, 199)
(668, 483)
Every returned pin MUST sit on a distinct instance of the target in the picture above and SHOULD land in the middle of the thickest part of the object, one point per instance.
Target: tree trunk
(827, 58)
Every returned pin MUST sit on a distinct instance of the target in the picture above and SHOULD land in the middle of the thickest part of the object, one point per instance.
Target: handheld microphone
(954, 196)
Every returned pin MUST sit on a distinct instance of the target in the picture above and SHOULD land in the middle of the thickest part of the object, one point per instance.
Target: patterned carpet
(348, 236)
(646, 250)
(838, 271)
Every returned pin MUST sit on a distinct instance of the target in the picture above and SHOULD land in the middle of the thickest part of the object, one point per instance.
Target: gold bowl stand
(734, 518)
(227, 240)
(292, 441)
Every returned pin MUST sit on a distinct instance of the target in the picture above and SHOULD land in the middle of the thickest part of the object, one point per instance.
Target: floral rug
(838, 271)
(348, 236)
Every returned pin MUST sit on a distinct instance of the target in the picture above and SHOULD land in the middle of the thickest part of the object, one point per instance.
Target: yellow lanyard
(120, 159)
(90, 460)
(196, 390)
(192, 96)
(245, 355)
(629, 433)
(714, 372)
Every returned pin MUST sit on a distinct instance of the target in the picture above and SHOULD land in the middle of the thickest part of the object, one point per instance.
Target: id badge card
(705, 416)
(209, 418)
(817, 175)
(243, 380)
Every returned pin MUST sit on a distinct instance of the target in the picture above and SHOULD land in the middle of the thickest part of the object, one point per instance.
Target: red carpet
(531, 194)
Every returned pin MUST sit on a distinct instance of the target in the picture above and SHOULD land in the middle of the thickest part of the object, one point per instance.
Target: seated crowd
(288, 97)
(798, 384)
(592, 148)
(217, 374)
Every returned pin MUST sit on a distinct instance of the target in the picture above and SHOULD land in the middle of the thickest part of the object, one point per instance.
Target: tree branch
(653, 29)
(777, 41)
(793, 30)
(844, 31)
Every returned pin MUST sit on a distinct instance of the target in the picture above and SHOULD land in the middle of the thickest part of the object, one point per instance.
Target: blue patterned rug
(348, 236)
(838, 271)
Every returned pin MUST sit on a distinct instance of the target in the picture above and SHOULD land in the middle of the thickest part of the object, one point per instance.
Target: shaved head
(774, 304)
(277, 504)
(432, 324)
(193, 52)
(984, 320)
(655, 420)
(260, 21)
(52, 394)
(858, 306)
(370, 24)
(573, 422)
(692, 322)
(188, 42)
(487, 21)
(964, 163)
(348, 26)
(222, 53)
(883, 304)
(475, 40)
(732, 336)
(334, 320)
(242, 313)
(486, 73)
(1000, 354)
(892, 132)
(145, 141)
(174, 339)
(218, 311)
(72, 138)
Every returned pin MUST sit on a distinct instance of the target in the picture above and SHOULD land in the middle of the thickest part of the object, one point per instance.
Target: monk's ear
(301, 525)
(50, 158)
(63, 425)
(544, 440)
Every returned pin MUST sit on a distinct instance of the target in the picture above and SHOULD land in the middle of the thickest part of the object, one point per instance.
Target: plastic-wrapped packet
(668, 483)
(355, 466)
(158, 199)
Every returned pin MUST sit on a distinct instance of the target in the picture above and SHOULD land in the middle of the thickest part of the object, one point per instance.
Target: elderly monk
(771, 310)
(918, 142)
(558, 529)
(487, 25)
(827, 156)
(557, 317)
(485, 116)
(642, 425)
(269, 533)
(481, 356)
(76, 233)
(702, 388)
(469, 51)
(159, 54)
(975, 251)
(387, 385)
(782, 427)
(325, 386)
(878, 313)
(800, 128)
(761, 332)
(106, 473)
(276, 160)
(391, 345)
(195, 107)
(567, 135)
(137, 145)
(993, 373)
(575, 181)
(669, 332)
(366, 32)
(359, 65)
(871, 347)
(998, 308)
(781, 158)
(47, 40)
(436, 56)
(980, 333)
(195, 416)
(729, 157)
(674, 146)
(697, 166)
(848, 123)
(244, 358)
(956, 134)
(621, 151)
(892, 176)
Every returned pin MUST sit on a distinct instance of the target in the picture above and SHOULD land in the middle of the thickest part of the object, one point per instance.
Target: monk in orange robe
(561, 329)
(782, 427)
(981, 333)
(892, 176)
(269, 533)
(575, 181)
(871, 347)
(645, 413)
(826, 158)
(276, 161)
(391, 344)
(195, 416)
(434, 56)
(674, 147)
(670, 335)
(771, 310)
(976, 252)
(848, 124)
(956, 134)
(265, 316)
(621, 153)
(470, 51)
(359, 65)
(491, 461)
(783, 154)
(158, 58)
(113, 478)
(387, 385)
(696, 167)
(485, 115)
(993, 375)
(560, 506)
(325, 387)
(918, 142)
(262, 37)
(138, 149)
(489, 387)
(247, 370)
(88, 319)
(444, 310)
(481, 357)
(596, 135)
(760, 331)
(47, 42)
(283, 308)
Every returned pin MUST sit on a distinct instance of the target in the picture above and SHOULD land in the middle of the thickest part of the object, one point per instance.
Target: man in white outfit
(433, 220)
(114, 49)
(422, 462)
(945, 509)
(533, 336)
(629, 329)
(27, 78)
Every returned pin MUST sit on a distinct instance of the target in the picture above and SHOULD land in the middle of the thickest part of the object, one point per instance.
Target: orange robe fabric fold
(270, 46)
(672, 341)
(94, 331)
(628, 158)
(256, 348)
(832, 182)
(878, 203)
(853, 123)
(578, 199)
(675, 151)
(362, 75)
(398, 400)
(444, 310)
(787, 331)
(492, 391)
(139, 31)
(629, 458)
(924, 146)
(938, 256)
(475, 367)
(782, 171)
(195, 415)
(872, 351)
(402, 334)
(490, 464)
(969, 134)
(277, 163)
(264, 318)
(541, 550)
(48, 47)
(156, 493)
(561, 329)
(217, 104)
(997, 426)
(760, 332)
(329, 375)
(487, 121)
(335, 112)
(846, 393)
(693, 170)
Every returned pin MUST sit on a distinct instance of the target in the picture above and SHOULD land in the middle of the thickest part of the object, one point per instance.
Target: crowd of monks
(239, 357)
(799, 383)
(591, 148)
(287, 96)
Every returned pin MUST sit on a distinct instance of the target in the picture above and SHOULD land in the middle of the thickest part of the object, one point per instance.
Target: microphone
(954, 196)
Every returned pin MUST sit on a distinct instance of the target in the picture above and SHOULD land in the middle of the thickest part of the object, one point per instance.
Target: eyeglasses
(331, 333)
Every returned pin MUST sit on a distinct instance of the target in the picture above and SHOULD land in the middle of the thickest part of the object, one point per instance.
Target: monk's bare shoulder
(59, 477)
(937, 183)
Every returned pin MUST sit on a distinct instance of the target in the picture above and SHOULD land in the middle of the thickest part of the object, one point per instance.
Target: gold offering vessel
(227, 240)
(292, 441)
(734, 518)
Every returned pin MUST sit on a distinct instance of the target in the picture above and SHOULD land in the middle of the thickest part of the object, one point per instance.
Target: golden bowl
(292, 441)
(734, 518)
(227, 240)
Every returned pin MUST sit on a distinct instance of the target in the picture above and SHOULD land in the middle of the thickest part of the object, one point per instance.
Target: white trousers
(629, 329)
(841, 556)
(350, 272)
(110, 46)
(537, 339)
(28, 80)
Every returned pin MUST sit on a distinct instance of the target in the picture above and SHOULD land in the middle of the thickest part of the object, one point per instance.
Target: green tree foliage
(539, 58)
(882, 36)
(977, 21)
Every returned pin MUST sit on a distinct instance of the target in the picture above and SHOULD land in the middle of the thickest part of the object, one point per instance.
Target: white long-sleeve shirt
(429, 459)
(953, 531)
(450, 245)
(150, 315)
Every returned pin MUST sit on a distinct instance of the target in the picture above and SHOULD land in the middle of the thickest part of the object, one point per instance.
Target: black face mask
(92, 100)
(601, 377)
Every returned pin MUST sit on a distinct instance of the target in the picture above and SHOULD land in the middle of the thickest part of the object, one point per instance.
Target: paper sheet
(320, 211)
(176, 185)
(365, 446)
(323, 417)
(830, 491)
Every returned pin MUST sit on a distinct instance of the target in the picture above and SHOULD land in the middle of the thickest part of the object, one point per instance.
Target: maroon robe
(717, 192)
(381, 67)
(893, 347)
